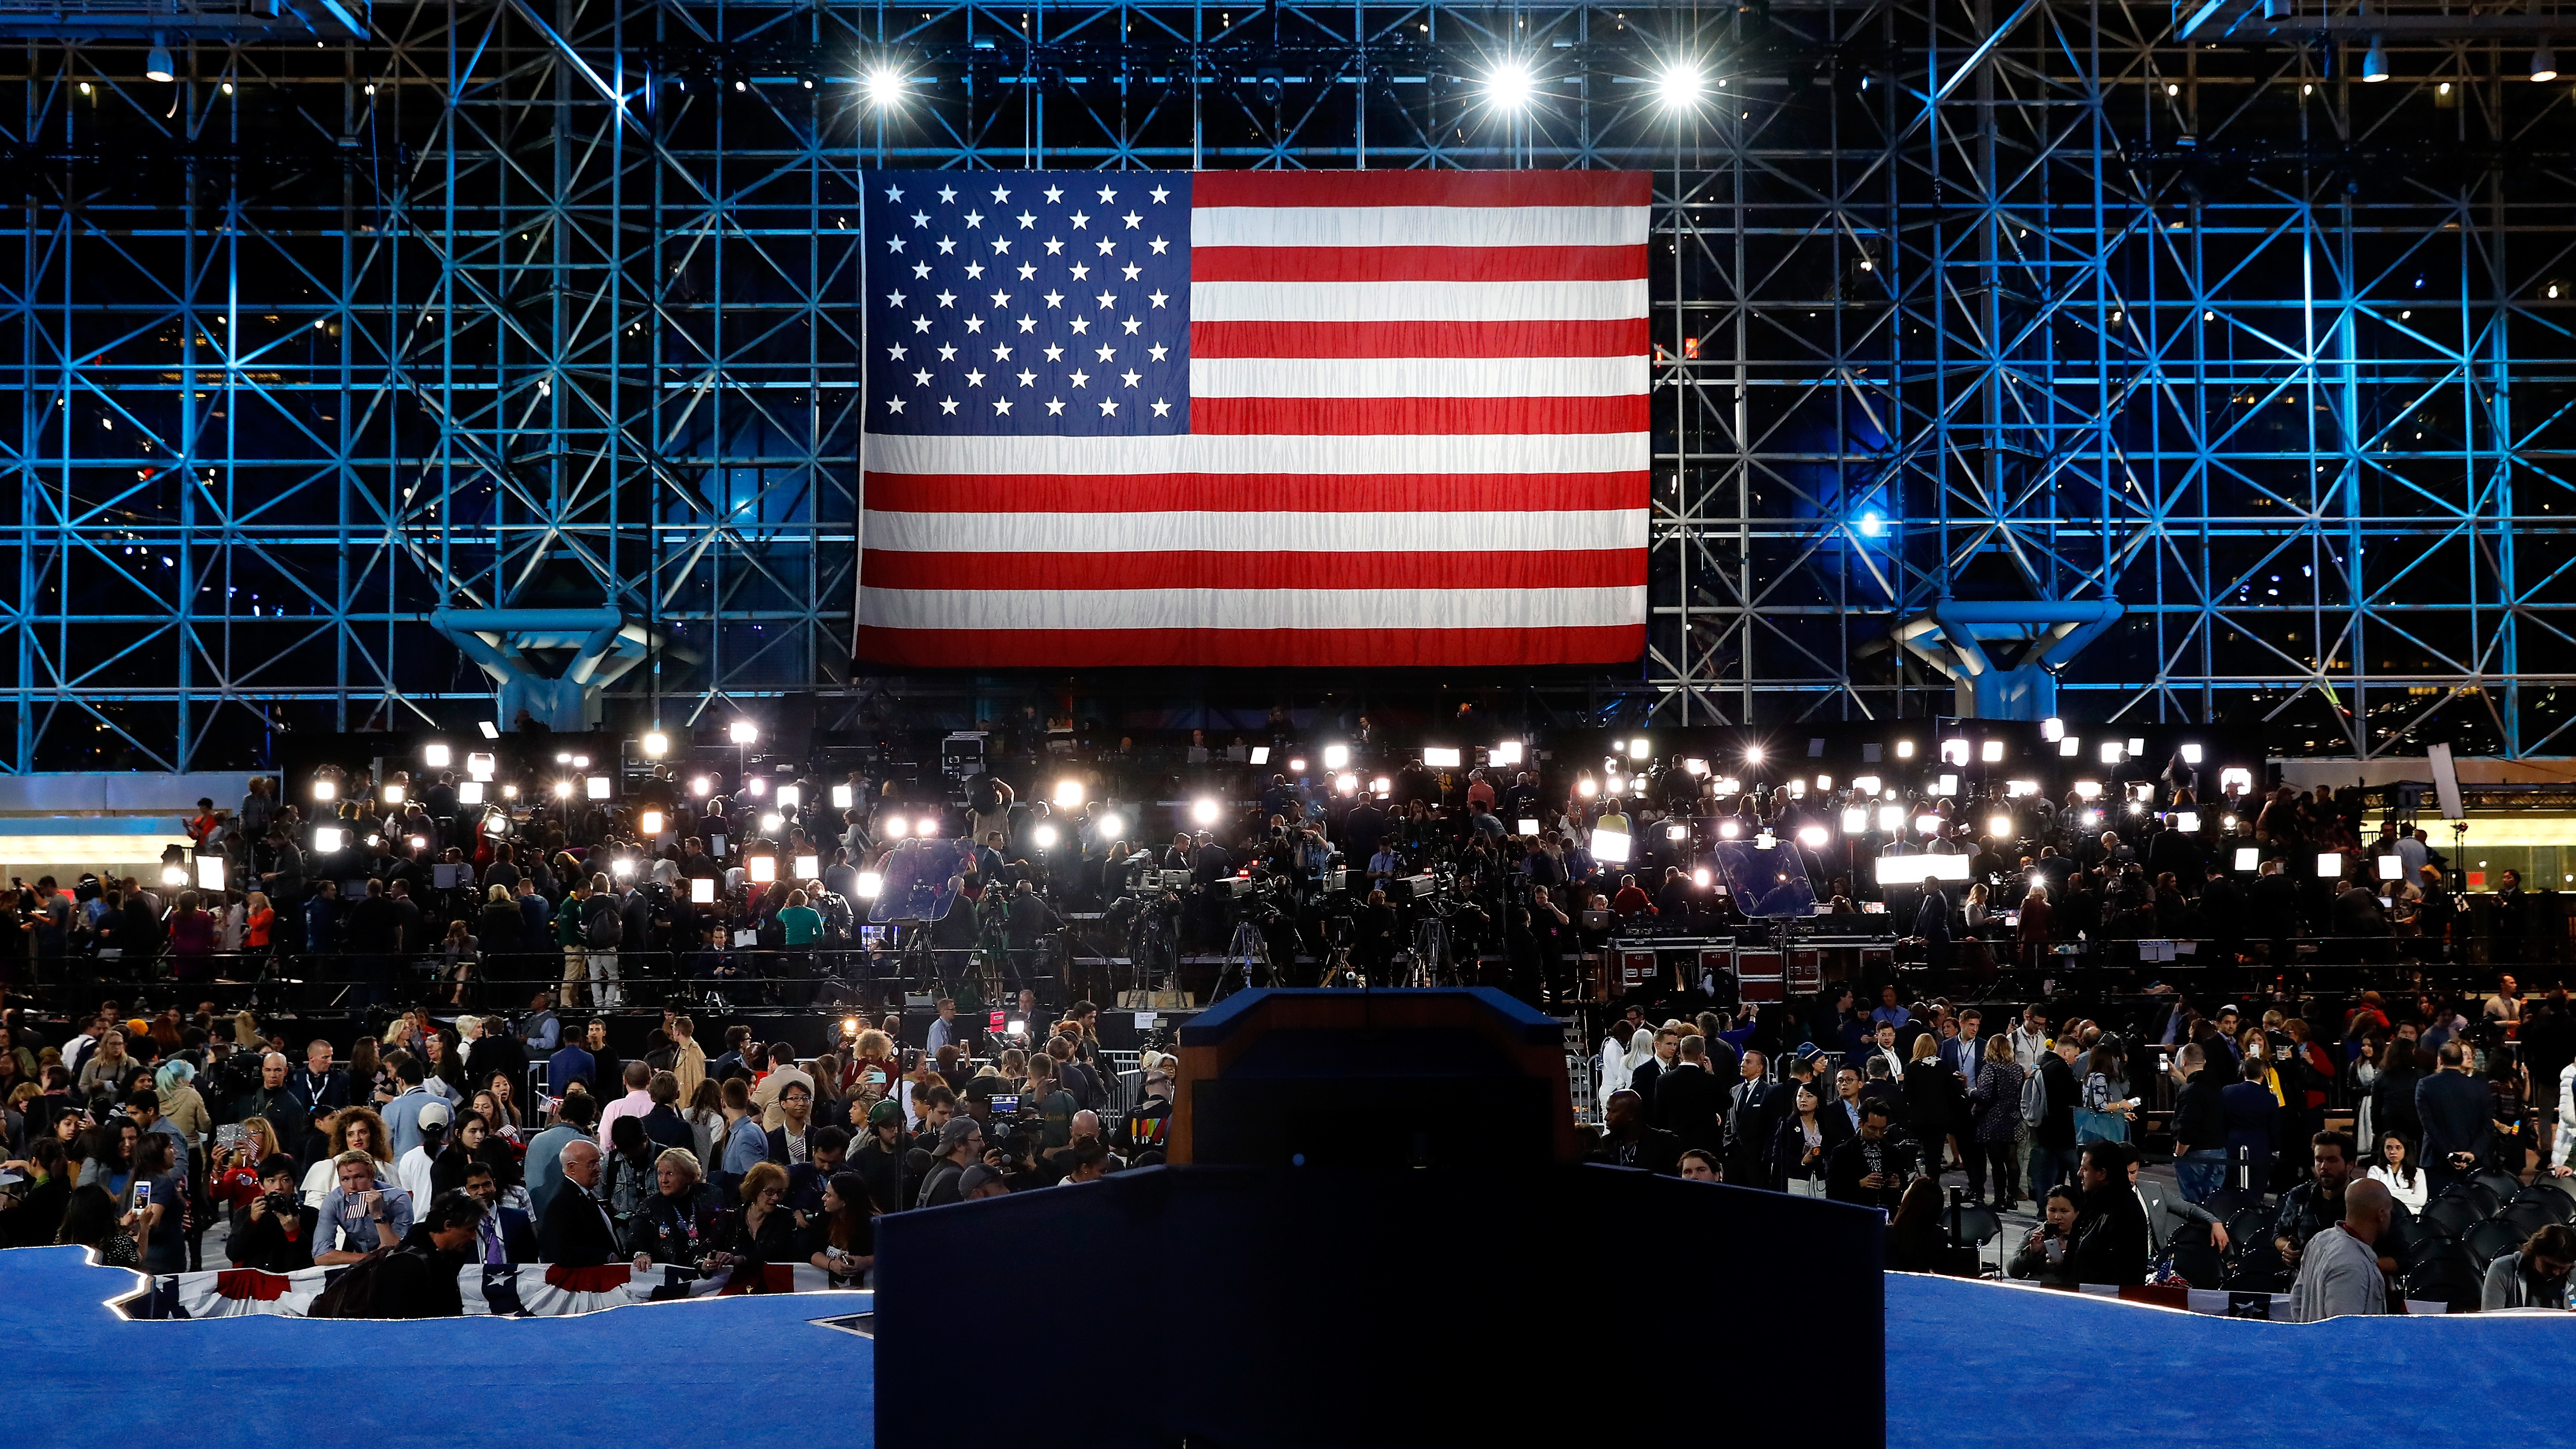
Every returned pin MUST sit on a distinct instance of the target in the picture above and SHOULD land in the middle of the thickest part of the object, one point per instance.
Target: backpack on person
(2034, 1099)
(2097, 1093)
(602, 924)
(352, 1292)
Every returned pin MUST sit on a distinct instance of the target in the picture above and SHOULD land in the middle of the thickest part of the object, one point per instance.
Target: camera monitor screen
(917, 880)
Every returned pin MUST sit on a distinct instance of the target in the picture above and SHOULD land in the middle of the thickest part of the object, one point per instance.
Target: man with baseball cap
(961, 1146)
(879, 1153)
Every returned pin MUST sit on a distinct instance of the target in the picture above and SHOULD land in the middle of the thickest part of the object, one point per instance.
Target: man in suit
(1963, 1052)
(318, 1086)
(1689, 1099)
(505, 1236)
(2167, 1212)
(2052, 1142)
(2457, 1112)
(2253, 1122)
(1748, 1123)
(577, 1231)
(1667, 1042)
(1631, 1142)
(2111, 1236)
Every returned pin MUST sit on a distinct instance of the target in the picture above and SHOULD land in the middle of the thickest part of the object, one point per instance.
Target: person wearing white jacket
(1615, 1073)
(2565, 1136)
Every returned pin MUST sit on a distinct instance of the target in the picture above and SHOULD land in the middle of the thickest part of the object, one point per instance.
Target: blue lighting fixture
(1871, 524)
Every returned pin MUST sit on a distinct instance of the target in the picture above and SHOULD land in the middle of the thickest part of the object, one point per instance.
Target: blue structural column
(1968, 641)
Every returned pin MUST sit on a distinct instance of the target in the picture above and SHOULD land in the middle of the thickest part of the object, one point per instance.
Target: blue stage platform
(748, 1371)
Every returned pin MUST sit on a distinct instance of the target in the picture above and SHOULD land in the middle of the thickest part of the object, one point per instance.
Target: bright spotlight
(157, 65)
(2070, 748)
(1347, 784)
(623, 865)
(1872, 524)
(1753, 754)
(1990, 751)
(1044, 835)
(2052, 729)
(1891, 818)
(756, 785)
(656, 745)
(1336, 756)
(1855, 820)
(598, 787)
(764, 868)
(1510, 85)
(436, 757)
(1637, 748)
(393, 794)
(2329, 865)
(1682, 832)
(1068, 794)
(1381, 787)
(2544, 64)
(563, 789)
(896, 827)
(885, 86)
(1700, 877)
(326, 790)
(174, 874)
(744, 732)
(1866, 784)
(1585, 788)
(843, 797)
(790, 796)
(1679, 85)
(701, 787)
(1609, 847)
(702, 890)
(327, 839)
(2088, 789)
(1928, 824)
(869, 884)
(2374, 62)
(770, 823)
(808, 867)
(650, 822)
(490, 730)
(2191, 754)
(1203, 811)
(2000, 827)
(1506, 752)
(1814, 836)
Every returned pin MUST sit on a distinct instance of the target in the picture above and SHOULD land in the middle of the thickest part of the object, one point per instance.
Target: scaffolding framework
(555, 306)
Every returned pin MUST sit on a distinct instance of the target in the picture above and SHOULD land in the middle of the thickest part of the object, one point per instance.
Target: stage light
(1866, 784)
(1700, 877)
(2015, 789)
(1954, 752)
(2249, 857)
(1905, 749)
(1728, 830)
(1891, 819)
(2090, 818)
(650, 822)
(2227, 822)
(1814, 837)
(2137, 808)
(1928, 824)
(1730, 786)
(326, 790)
(1044, 835)
(1509, 85)
(157, 65)
(1824, 782)
(771, 821)
(1112, 827)
(1752, 754)
(436, 757)
(1381, 787)
(2392, 868)
(419, 842)
(755, 786)
(374, 840)
(2236, 781)
(2329, 864)
(2000, 827)
(563, 757)
(1679, 85)
(496, 824)
(1610, 847)
(1916, 869)
(1637, 750)
(1797, 789)
(870, 883)
(702, 890)
(843, 797)
(490, 730)
(2137, 748)
(2052, 729)
(2191, 754)
(1507, 752)
(1682, 832)
(809, 867)
(210, 872)
(2070, 748)
(1298, 767)
(1855, 820)
(174, 874)
(1529, 829)
(481, 766)
(1945, 785)
(328, 838)
(702, 787)
(2112, 754)
(656, 745)
(1585, 788)
(1872, 524)
(1437, 759)
(896, 827)
(744, 732)
(1990, 751)
(509, 792)
(563, 789)
(1336, 756)
(885, 86)
(1614, 784)
(1069, 794)
(2544, 64)
(2374, 62)
(1348, 784)
(393, 794)
(623, 865)
(790, 796)
(2187, 821)
(1695, 767)
(1203, 811)
(764, 869)
(598, 787)
(2088, 789)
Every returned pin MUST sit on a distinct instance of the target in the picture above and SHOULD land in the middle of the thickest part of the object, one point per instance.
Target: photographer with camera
(274, 1231)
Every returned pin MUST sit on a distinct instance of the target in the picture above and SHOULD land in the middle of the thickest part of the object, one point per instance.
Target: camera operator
(274, 1231)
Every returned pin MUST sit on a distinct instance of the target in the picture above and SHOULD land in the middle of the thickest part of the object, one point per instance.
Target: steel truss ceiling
(555, 304)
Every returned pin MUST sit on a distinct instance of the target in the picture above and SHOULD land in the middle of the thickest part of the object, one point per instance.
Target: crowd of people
(416, 1153)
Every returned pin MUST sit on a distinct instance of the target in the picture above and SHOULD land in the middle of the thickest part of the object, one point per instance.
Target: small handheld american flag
(1248, 418)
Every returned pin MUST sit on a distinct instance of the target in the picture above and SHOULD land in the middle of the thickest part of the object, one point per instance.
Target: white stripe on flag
(1473, 454)
(1354, 608)
(1251, 533)
(1417, 376)
(1415, 301)
(1418, 226)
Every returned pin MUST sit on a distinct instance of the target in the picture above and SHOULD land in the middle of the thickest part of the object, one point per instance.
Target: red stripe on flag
(1266, 569)
(1615, 337)
(1290, 648)
(1254, 492)
(1293, 416)
(1421, 188)
(1417, 264)
(251, 1285)
(606, 1278)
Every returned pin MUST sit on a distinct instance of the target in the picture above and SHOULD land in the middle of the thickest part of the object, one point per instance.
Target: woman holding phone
(2047, 1254)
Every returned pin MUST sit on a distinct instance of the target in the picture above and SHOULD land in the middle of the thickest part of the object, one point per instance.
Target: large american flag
(1248, 418)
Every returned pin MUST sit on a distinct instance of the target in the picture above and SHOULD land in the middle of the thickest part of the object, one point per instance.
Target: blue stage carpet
(1987, 1364)
(748, 1371)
